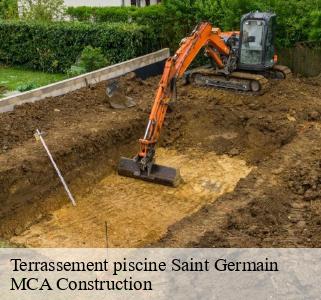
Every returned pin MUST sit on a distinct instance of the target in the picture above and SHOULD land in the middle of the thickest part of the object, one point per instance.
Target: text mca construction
(117, 268)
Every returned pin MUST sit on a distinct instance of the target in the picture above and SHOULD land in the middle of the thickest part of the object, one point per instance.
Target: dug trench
(251, 167)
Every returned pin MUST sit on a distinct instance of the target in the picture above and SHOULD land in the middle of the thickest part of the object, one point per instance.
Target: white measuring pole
(38, 133)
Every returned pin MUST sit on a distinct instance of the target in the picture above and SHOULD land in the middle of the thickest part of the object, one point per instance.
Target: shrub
(297, 19)
(27, 87)
(295, 22)
(100, 14)
(80, 13)
(113, 14)
(315, 32)
(154, 16)
(8, 9)
(75, 71)
(55, 46)
(90, 59)
(39, 10)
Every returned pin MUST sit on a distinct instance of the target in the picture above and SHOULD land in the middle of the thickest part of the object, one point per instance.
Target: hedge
(298, 20)
(154, 16)
(54, 47)
(144, 15)
(100, 14)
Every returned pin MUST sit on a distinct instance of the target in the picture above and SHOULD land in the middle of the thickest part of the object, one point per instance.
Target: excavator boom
(143, 165)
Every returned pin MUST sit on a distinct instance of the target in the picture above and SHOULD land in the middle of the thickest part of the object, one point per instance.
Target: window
(270, 43)
(252, 42)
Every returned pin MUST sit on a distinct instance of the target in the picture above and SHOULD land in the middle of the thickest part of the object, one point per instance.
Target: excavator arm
(203, 35)
(143, 166)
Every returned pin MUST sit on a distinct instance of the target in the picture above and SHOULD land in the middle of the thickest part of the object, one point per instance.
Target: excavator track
(281, 72)
(243, 82)
(238, 81)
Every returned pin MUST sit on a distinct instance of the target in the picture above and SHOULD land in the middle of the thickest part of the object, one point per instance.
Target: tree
(297, 20)
(43, 10)
(234, 9)
(315, 31)
(8, 9)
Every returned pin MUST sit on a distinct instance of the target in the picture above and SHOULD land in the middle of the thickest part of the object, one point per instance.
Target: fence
(304, 58)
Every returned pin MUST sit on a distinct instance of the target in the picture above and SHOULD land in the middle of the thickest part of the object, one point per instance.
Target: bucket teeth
(159, 174)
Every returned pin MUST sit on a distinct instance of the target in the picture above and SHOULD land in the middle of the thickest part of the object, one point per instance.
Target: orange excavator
(228, 53)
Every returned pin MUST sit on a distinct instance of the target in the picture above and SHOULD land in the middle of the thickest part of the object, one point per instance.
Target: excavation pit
(250, 164)
(137, 213)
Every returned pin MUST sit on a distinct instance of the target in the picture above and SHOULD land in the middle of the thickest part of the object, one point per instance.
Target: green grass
(13, 78)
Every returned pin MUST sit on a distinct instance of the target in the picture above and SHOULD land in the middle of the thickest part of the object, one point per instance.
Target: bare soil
(251, 167)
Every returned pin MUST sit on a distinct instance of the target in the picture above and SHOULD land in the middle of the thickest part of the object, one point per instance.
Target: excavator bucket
(159, 174)
(116, 98)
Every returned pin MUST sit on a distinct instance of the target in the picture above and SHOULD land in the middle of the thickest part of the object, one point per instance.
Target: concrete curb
(72, 84)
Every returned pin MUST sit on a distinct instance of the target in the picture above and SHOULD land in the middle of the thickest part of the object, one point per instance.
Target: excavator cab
(256, 45)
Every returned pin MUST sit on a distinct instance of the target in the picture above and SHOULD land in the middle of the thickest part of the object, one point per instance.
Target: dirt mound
(316, 81)
(240, 124)
(264, 210)
(82, 132)
(276, 132)
(18, 126)
(305, 180)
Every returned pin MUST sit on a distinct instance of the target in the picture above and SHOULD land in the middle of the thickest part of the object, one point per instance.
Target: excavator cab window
(270, 51)
(252, 42)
